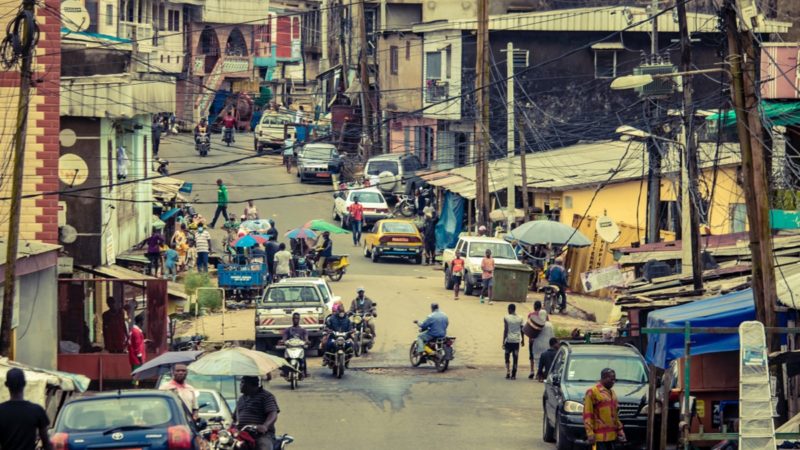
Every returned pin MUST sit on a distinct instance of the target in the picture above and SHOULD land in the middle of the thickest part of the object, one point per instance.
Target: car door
(370, 236)
(552, 386)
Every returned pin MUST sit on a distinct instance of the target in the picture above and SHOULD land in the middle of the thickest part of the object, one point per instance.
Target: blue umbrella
(164, 362)
(246, 241)
(305, 233)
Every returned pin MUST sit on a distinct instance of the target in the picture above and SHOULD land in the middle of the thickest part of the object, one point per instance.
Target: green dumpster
(511, 282)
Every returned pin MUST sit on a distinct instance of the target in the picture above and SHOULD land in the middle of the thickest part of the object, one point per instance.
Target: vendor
(114, 327)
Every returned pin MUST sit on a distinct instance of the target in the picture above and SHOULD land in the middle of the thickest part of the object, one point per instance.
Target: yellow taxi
(393, 237)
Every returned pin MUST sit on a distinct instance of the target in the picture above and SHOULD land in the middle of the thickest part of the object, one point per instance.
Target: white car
(375, 207)
(474, 248)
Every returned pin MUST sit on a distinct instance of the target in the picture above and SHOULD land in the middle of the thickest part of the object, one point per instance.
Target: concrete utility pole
(690, 222)
(653, 150)
(511, 202)
(482, 123)
(523, 168)
(366, 99)
(756, 189)
(9, 288)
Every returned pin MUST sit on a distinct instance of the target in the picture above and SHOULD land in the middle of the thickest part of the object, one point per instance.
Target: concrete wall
(37, 333)
(401, 91)
(439, 42)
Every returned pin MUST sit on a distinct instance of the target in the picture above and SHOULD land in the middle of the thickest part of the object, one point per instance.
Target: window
(109, 14)
(367, 197)
(371, 19)
(394, 59)
(100, 414)
(448, 60)
(408, 50)
(295, 28)
(521, 60)
(605, 64)
(738, 217)
(399, 227)
(585, 368)
(433, 65)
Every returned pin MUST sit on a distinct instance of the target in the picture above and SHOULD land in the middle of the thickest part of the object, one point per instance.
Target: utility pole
(690, 222)
(748, 125)
(366, 98)
(653, 151)
(9, 288)
(523, 149)
(511, 198)
(482, 123)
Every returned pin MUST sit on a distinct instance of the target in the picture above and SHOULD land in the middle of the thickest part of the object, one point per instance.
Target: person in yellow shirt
(601, 413)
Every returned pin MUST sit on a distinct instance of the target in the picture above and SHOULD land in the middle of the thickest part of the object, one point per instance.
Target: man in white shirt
(283, 260)
(184, 390)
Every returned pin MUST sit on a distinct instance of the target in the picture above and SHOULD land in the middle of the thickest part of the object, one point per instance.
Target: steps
(756, 427)
(211, 83)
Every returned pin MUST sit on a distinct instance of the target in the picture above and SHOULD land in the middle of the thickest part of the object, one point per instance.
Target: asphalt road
(382, 402)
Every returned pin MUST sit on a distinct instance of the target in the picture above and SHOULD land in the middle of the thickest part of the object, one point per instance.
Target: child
(171, 262)
(456, 272)
(191, 255)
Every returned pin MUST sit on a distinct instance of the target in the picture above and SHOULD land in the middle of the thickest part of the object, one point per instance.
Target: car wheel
(468, 289)
(375, 256)
(418, 259)
(448, 280)
(562, 443)
(367, 253)
(548, 433)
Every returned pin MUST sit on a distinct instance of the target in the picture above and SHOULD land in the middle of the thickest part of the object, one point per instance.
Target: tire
(548, 433)
(448, 280)
(375, 257)
(339, 365)
(407, 210)
(320, 350)
(562, 443)
(357, 349)
(367, 253)
(415, 359)
(294, 375)
(441, 363)
(468, 288)
(336, 276)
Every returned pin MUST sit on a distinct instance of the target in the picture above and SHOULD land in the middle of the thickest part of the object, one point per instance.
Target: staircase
(211, 83)
(756, 428)
(303, 94)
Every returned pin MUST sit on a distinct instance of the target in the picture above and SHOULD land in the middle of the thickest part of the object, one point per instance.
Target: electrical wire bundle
(22, 35)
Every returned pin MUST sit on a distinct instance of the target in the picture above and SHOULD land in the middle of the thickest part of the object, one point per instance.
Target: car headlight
(474, 268)
(571, 407)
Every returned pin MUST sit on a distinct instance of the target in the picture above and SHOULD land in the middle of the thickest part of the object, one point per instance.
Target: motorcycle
(339, 359)
(227, 136)
(302, 266)
(187, 343)
(215, 434)
(203, 144)
(405, 206)
(245, 439)
(550, 303)
(294, 353)
(163, 167)
(438, 351)
(363, 340)
(335, 266)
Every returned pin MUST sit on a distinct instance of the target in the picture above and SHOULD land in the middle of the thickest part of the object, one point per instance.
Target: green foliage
(194, 280)
(210, 299)
(786, 200)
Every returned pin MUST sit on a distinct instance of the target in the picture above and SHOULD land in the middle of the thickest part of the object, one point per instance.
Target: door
(552, 390)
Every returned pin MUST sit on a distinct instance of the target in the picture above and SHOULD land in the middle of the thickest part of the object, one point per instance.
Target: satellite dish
(67, 234)
(74, 15)
(607, 229)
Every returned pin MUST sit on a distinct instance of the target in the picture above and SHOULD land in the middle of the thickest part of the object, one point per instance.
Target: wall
(397, 133)
(438, 42)
(38, 218)
(234, 11)
(400, 91)
(37, 334)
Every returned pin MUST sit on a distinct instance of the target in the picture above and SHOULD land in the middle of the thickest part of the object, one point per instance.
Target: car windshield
(499, 250)
(208, 403)
(629, 369)
(377, 167)
(291, 294)
(227, 386)
(398, 227)
(106, 413)
(318, 152)
(276, 119)
(367, 197)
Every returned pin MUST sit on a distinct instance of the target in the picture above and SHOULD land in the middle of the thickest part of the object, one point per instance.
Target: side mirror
(555, 380)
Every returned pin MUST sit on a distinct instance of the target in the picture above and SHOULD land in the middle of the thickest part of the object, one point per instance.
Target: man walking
(156, 134)
(456, 273)
(601, 413)
(114, 327)
(282, 262)
(429, 236)
(257, 407)
(512, 339)
(487, 276)
(136, 351)
(184, 390)
(222, 203)
(546, 360)
(20, 420)
(356, 211)
(203, 246)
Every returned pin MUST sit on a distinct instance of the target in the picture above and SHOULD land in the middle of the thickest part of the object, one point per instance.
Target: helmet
(359, 289)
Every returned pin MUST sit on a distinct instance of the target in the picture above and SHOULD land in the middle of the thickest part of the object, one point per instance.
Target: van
(396, 173)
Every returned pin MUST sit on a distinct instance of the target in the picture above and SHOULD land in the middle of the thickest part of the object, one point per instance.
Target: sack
(533, 326)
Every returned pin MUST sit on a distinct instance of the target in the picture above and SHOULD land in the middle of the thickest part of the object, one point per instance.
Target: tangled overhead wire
(22, 35)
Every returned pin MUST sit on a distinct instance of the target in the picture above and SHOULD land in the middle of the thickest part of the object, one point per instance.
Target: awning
(778, 113)
(121, 273)
(167, 215)
(166, 188)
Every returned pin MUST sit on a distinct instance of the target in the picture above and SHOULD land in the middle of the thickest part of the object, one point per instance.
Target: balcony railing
(141, 32)
(436, 90)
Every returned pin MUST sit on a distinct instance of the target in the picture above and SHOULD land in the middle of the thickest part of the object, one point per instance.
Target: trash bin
(511, 282)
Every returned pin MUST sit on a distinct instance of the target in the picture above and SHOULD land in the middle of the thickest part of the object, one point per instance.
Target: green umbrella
(321, 225)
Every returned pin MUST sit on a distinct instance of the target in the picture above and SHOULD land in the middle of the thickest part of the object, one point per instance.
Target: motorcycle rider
(337, 322)
(229, 123)
(296, 331)
(364, 305)
(324, 250)
(434, 326)
(557, 276)
(258, 407)
(201, 128)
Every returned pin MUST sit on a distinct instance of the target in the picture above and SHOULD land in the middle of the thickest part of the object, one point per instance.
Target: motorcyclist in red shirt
(229, 122)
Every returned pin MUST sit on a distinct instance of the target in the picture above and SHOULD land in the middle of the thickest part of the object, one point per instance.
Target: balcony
(436, 90)
(115, 96)
(142, 33)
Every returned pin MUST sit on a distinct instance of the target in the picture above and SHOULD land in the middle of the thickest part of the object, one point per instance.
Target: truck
(473, 249)
(244, 279)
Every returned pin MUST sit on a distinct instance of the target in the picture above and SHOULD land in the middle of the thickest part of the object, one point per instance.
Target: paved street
(382, 402)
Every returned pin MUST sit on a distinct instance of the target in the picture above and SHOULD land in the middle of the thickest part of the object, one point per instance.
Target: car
(575, 369)
(396, 173)
(313, 161)
(375, 207)
(393, 237)
(474, 248)
(226, 386)
(144, 418)
(212, 404)
(311, 297)
(270, 131)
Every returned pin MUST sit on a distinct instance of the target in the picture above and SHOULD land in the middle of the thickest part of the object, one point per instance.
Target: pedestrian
(456, 273)
(487, 276)
(191, 255)
(335, 169)
(429, 235)
(114, 327)
(153, 254)
(156, 134)
(122, 162)
(546, 359)
(513, 339)
(136, 351)
(250, 211)
(419, 202)
(283, 262)
(180, 241)
(21, 421)
(184, 390)
(541, 343)
(203, 247)
(271, 248)
(258, 407)
(273, 230)
(557, 276)
(601, 413)
(222, 203)
(288, 156)
(171, 262)
(356, 211)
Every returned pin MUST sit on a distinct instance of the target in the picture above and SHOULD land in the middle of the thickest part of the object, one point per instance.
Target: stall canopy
(729, 310)
(778, 113)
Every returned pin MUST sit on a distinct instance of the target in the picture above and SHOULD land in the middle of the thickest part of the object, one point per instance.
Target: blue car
(148, 419)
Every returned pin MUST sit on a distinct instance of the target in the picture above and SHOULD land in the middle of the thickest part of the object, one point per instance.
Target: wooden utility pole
(366, 99)
(653, 149)
(523, 148)
(481, 135)
(748, 125)
(9, 288)
(692, 238)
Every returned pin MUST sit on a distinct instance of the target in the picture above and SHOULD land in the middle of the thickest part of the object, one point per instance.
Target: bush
(194, 280)
(210, 299)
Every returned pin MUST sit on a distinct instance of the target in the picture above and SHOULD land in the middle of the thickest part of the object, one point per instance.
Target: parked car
(269, 133)
(212, 404)
(375, 207)
(313, 160)
(393, 237)
(396, 173)
(226, 386)
(148, 419)
(310, 297)
(474, 248)
(576, 368)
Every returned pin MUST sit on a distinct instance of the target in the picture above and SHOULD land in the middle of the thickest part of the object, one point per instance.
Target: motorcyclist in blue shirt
(434, 326)
(338, 322)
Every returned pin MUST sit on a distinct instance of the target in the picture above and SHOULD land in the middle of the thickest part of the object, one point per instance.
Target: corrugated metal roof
(614, 18)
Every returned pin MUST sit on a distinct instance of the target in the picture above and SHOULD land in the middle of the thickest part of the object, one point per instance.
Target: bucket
(533, 326)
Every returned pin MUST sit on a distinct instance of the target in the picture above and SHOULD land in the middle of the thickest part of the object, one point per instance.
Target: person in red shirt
(356, 211)
(136, 352)
(229, 122)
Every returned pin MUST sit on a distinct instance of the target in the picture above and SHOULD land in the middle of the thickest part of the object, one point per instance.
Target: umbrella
(321, 225)
(163, 362)
(237, 361)
(255, 225)
(249, 241)
(301, 233)
(548, 232)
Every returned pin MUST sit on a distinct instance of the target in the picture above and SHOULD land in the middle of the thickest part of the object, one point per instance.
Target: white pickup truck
(473, 249)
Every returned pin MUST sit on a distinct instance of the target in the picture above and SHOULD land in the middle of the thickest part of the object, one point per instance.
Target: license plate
(323, 175)
(399, 239)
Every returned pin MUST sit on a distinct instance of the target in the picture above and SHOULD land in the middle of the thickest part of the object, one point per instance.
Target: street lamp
(637, 81)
